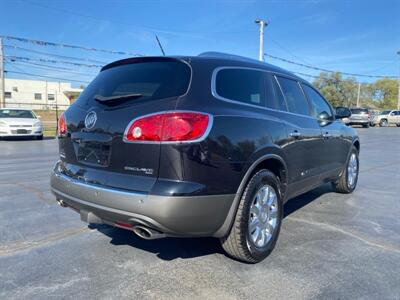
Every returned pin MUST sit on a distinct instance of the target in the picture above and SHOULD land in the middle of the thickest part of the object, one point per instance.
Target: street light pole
(398, 94)
(358, 94)
(262, 24)
(2, 84)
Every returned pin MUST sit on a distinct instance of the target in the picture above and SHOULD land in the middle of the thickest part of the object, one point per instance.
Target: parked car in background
(373, 113)
(19, 122)
(387, 117)
(209, 145)
(360, 116)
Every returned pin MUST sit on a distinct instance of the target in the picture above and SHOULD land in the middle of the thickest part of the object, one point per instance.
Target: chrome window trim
(200, 139)
(273, 73)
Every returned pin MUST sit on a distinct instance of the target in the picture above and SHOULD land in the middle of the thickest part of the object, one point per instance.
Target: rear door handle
(295, 134)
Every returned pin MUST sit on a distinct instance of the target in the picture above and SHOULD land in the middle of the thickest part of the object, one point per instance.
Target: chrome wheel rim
(352, 170)
(263, 216)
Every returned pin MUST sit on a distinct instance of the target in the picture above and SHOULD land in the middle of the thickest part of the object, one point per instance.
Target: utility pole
(262, 24)
(398, 94)
(358, 94)
(2, 84)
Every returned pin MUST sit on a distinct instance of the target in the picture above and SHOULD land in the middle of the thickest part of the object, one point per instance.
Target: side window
(241, 85)
(318, 104)
(295, 99)
(275, 99)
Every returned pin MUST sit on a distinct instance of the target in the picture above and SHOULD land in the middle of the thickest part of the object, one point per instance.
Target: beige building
(36, 94)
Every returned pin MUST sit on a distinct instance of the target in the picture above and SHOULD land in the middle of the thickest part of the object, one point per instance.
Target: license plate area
(22, 131)
(93, 153)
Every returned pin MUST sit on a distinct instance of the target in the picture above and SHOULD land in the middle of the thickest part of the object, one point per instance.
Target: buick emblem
(90, 120)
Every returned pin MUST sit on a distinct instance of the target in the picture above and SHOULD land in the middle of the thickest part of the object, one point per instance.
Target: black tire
(383, 123)
(366, 125)
(40, 137)
(342, 184)
(238, 243)
(398, 125)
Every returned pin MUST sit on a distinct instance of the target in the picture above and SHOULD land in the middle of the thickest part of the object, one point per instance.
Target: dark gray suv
(212, 145)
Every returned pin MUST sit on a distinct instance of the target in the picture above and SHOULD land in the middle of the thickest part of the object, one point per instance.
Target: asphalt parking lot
(331, 245)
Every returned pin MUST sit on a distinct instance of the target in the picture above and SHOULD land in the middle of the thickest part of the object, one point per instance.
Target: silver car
(20, 122)
(387, 117)
(360, 116)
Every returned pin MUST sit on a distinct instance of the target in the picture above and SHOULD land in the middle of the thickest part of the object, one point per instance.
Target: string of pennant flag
(45, 43)
(326, 70)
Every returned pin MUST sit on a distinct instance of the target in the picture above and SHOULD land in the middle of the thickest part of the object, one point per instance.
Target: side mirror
(342, 112)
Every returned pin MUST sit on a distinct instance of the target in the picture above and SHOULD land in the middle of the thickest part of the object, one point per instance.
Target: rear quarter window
(242, 85)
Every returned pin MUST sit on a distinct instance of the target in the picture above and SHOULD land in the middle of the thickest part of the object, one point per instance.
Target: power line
(51, 68)
(45, 43)
(326, 70)
(13, 58)
(44, 76)
(52, 54)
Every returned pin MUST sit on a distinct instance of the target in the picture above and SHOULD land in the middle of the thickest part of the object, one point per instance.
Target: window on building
(295, 99)
(51, 97)
(7, 95)
(38, 96)
(241, 85)
(15, 89)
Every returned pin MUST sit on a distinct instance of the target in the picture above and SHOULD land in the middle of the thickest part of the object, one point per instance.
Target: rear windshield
(16, 113)
(357, 111)
(151, 80)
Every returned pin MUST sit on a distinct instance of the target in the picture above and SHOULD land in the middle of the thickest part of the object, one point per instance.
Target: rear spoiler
(134, 60)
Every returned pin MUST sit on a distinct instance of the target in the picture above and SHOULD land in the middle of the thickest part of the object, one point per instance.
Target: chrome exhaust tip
(147, 233)
(62, 203)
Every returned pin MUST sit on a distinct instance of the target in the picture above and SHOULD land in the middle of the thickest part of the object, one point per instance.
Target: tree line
(380, 94)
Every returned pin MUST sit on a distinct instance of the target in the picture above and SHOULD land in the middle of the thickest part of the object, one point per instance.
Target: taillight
(168, 127)
(62, 126)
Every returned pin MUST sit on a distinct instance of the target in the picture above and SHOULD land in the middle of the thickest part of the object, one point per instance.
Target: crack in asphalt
(13, 248)
(348, 233)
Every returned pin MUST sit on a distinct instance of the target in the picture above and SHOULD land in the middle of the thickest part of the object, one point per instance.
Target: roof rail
(226, 55)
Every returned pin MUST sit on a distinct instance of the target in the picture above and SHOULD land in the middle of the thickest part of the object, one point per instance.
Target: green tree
(384, 91)
(337, 90)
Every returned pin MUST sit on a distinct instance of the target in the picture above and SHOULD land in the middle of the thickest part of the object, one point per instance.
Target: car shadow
(25, 138)
(172, 248)
(166, 248)
(303, 200)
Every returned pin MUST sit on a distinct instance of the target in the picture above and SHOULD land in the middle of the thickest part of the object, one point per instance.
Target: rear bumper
(359, 122)
(5, 132)
(174, 216)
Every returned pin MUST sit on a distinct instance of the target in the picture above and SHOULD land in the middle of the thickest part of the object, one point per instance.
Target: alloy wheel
(352, 170)
(263, 217)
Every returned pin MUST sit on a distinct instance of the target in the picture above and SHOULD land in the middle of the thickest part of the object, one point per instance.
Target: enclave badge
(90, 120)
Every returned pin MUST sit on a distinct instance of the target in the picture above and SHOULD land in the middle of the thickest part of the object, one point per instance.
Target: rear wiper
(104, 99)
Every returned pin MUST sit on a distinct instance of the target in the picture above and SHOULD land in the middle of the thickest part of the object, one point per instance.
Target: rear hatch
(359, 114)
(93, 149)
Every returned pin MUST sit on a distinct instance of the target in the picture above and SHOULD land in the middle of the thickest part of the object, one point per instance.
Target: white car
(387, 117)
(20, 122)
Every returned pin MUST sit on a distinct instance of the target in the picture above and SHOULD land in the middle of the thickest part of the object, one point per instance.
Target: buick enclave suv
(212, 145)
